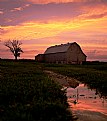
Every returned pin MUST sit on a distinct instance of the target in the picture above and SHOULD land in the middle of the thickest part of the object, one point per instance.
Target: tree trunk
(15, 57)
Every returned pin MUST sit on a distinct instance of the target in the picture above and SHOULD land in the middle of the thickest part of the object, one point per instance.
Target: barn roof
(58, 48)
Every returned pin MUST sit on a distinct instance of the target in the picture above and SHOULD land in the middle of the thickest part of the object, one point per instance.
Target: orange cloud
(60, 1)
(38, 30)
(94, 12)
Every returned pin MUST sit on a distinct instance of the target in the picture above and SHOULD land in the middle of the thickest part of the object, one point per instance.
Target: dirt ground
(85, 115)
(79, 115)
(63, 80)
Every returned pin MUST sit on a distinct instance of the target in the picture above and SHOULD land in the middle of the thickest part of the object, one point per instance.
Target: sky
(39, 24)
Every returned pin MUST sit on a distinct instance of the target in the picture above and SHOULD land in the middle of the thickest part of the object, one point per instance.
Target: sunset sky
(39, 24)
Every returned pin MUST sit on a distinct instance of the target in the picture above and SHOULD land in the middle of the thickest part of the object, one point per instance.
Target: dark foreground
(27, 94)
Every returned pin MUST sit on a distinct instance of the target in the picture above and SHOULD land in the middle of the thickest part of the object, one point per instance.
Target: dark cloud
(31, 51)
(10, 4)
(19, 12)
(95, 16)
(101, 57)
(99, 54)
(92, 53)
(6, 6)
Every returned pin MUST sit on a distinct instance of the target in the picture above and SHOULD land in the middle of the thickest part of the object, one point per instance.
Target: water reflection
(83, 98)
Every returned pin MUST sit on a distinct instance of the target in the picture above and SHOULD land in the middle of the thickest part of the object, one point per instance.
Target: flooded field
(87, 104)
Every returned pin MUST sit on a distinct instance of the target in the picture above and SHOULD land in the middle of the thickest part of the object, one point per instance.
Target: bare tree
(14, 47)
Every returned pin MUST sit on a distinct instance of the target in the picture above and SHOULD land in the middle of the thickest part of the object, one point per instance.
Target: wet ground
(86, 115)
(84, 103)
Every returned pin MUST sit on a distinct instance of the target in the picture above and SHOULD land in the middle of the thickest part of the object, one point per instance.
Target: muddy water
(86, 104)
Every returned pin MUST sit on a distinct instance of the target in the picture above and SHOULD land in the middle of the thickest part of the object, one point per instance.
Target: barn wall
(81, 57)
(75, 55)
(40, 58)
(55, 58)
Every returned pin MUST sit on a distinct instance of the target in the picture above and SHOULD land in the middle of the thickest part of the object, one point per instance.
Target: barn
(70, 53)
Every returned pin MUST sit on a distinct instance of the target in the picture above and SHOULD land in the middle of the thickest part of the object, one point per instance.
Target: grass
(95, 76)
(27, 94)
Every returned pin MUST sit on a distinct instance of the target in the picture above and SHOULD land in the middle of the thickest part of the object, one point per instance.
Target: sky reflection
(87, 99)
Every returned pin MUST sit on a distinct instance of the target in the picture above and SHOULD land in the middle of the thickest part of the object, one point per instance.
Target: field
(94, 75)
(27, 94)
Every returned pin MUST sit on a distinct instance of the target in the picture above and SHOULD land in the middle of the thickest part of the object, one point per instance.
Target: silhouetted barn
(64, 53)
(40, 58)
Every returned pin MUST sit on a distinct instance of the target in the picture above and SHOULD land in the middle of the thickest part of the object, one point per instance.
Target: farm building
(64, 53)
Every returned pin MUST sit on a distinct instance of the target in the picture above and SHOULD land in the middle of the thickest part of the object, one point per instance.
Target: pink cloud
(60, 1)
(1, 12)
(95, 16)
(27, 5)
(20, 8)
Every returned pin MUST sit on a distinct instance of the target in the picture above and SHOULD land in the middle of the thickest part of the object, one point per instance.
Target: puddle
(84, 103)
(82, 98)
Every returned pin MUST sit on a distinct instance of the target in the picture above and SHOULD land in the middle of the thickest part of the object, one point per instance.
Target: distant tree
(14, 46)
